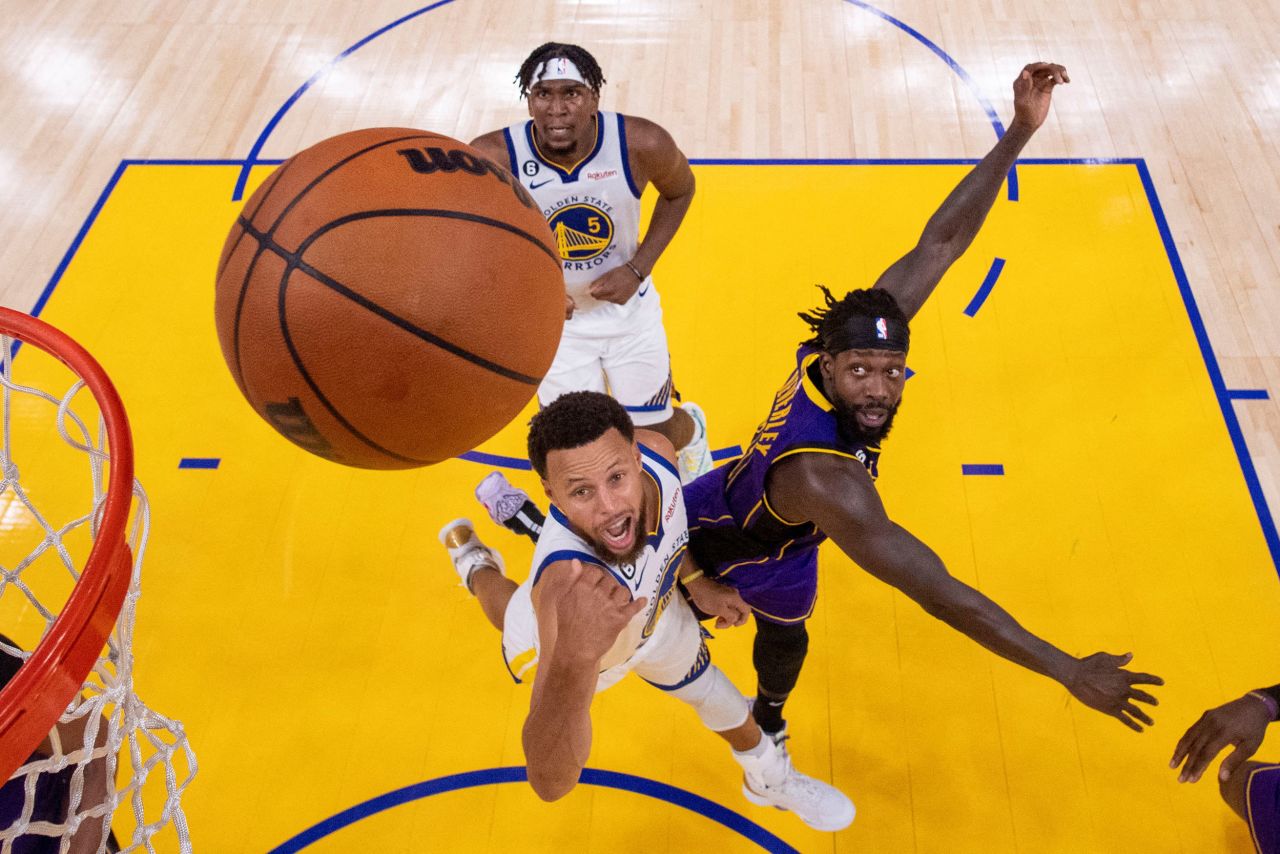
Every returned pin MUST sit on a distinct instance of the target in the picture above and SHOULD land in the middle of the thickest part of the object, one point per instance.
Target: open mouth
(619, 536)
(871, 418)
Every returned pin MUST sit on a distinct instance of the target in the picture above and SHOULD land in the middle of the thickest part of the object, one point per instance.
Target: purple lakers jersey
(735, 536)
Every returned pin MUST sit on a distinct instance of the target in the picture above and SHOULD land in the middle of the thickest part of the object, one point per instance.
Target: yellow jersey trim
(788, 619)
(812, 391)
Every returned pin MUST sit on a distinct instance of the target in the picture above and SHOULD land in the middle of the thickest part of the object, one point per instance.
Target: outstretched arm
(838, 496)
(580, 612)
(953, 226)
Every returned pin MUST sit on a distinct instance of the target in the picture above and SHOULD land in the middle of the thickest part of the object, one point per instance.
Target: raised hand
(1033, 90)
(1241, 723)
(1101, 682)
(591, 610)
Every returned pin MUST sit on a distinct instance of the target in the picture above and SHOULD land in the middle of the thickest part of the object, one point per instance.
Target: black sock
(767, 710)
(528, 520)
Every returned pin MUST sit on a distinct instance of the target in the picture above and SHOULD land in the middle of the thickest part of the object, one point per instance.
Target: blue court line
(1202, 336)
(984, 290)
(902, 161)
(517, 774)
(79, 239)
(199, 462)
(992, 117)
(981, 468)
(518, 463)
(521, 464)
(1248, 394)
(718, 161)
(1215, 371)
(311, 81)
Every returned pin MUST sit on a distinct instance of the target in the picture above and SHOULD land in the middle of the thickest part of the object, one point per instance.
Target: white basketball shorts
(620, 350)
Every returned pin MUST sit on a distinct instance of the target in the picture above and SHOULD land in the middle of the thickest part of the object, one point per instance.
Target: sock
(758, 750)
(767, 710)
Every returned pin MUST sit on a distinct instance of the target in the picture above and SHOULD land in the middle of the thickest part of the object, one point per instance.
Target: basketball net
(82, 742)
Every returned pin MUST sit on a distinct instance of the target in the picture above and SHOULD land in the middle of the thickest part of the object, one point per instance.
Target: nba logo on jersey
(882, 329)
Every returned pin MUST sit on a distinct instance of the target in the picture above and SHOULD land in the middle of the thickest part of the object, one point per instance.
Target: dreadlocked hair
(552, 50)
(865, 302)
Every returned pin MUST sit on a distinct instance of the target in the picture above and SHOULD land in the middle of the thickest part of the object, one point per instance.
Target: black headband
(863, 332)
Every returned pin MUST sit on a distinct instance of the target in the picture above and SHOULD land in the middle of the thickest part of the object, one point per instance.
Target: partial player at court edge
(1251, 789)
(601, 601)
(809, 472)
(587, 170)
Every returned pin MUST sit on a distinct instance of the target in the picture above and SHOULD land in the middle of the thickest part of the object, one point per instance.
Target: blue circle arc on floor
(518, 774)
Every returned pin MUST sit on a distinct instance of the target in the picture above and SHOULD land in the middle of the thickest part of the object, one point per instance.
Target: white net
(109, 749)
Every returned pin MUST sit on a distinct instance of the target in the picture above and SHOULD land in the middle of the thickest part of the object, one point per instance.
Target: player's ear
(826, 364)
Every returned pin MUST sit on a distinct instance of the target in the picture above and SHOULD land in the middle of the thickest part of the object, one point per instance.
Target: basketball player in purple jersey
(587, 170)
(810, 471)
(1251, 789)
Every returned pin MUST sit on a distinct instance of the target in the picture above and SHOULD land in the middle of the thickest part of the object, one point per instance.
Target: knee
(1233, 788)
(780, 647)
(719, 704)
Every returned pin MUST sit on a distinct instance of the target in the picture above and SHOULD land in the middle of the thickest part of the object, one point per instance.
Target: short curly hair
(573, 420)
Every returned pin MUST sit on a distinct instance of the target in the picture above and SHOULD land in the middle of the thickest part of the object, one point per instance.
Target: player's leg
(676, 661)
(480, 569)
(510, 506)
(637, 366)
(778, 655)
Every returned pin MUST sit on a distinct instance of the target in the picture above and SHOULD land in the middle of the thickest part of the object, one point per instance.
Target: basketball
(389, 298)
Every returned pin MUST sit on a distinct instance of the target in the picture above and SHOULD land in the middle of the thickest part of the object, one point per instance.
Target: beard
(852, 428)
(641, 526)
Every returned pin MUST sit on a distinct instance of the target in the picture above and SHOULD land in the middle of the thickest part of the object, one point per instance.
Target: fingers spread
(1144, 679)
(1124, 720)
(1143, 696)
(1134, 711)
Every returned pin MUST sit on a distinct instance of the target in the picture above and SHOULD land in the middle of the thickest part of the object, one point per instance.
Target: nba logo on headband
(882, 329)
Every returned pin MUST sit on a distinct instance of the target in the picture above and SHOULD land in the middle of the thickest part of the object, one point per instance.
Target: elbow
(551, 787)
(941, 603)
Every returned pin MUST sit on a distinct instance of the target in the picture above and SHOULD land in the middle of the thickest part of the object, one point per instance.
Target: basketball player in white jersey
(601, 601)
(587, 170)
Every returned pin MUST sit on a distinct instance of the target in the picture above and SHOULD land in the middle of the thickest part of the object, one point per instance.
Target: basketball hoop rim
(35, 698)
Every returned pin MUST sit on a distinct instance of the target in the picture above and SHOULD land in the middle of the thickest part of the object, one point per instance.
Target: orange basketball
(389, 298)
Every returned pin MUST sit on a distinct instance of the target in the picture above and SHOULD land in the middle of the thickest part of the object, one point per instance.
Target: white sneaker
(467, 552)
(510, 506)
(770, 780)
(694, 459)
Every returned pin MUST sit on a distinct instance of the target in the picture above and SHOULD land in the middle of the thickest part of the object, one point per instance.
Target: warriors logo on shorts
(582, 231)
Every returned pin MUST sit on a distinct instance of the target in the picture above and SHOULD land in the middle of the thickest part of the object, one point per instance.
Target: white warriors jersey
(654, 572)
(593, 208)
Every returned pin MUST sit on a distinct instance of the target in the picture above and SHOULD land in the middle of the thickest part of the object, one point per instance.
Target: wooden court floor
(300, 618)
